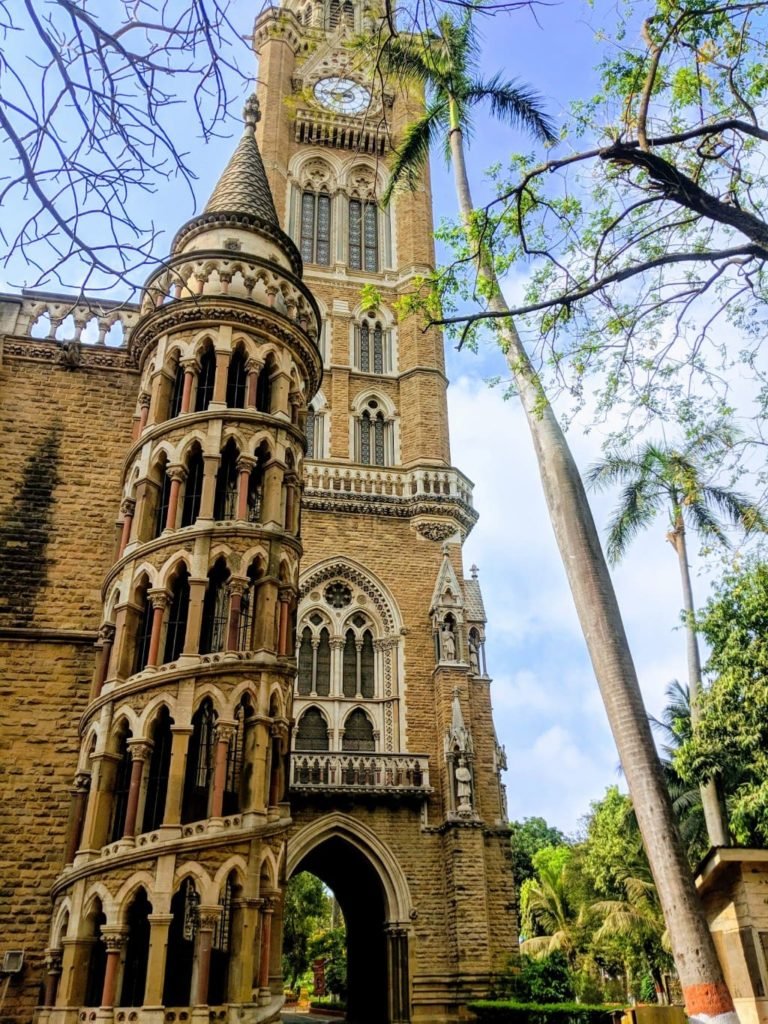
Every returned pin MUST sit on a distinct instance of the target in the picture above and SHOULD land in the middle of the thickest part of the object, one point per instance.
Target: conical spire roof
(243, 185)
(242, 197)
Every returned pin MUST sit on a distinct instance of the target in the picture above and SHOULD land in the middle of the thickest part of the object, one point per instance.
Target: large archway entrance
(373, 899)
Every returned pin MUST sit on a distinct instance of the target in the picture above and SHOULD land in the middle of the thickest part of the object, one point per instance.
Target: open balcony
(391, 775)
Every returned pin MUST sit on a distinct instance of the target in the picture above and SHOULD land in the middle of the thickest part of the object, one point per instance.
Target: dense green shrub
(536, 979)
(509, 1011)
(327, 1003)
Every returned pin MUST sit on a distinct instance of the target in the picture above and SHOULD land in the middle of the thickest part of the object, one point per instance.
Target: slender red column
(159, 600)
(244, 466)
(224, 732)
(76, 818)
(53, 964)
(177, 474)
(208, 918)
(236, 590)
(186, 392)
(128, 508)
(114, 944)
(254, 368)
(144, 400)
(104, 645)
(140, 751)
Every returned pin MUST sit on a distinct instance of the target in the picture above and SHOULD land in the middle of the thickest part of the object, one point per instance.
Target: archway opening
(356, 884)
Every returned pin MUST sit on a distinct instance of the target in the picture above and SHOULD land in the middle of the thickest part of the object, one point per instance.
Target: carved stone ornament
(436, 531)
(233, 244)
(70, 354)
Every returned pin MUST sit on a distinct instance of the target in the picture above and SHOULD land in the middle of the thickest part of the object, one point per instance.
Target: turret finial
(251, 111)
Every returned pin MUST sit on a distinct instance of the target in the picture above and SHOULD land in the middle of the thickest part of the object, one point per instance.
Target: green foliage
(307, 909)
(527, 837)
(508, 1011)
(370, 298)
(538, 979)
(331, 945)
(732, 737)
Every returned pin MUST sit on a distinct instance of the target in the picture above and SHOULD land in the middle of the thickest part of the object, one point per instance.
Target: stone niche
(733, 885)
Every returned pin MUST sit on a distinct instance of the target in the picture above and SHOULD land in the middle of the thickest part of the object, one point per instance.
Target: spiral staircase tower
(169, 903)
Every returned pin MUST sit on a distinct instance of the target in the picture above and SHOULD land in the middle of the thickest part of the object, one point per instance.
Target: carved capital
(106, 632)
(144, 400)
(140, 750)
(190, 364)
(208, 918)
(177, 472)
(82, 782)
(53, 960)
(245, 463)
(127, 506)
(224, 731)
(254, 365)
(113, 939)
(158, 597)
(238, 585)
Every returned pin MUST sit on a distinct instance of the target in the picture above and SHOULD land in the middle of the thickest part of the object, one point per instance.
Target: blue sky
(548, 711)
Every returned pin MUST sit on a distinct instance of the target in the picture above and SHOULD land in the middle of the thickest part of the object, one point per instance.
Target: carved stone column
(267, 910)
(159, 599)
(178, 475)
(53, 960)
(208, 494)
(158, 951)
(176, 772)
(207, 921)
(144, 401)
(140, 751)
(224, 733)
(197, 589)
(237, 587)
(253, 367)
(191, 367)
(273, 491)
(244, 466)
(220, 383)
(114, 940)
(104, 647)
(128, 508)
(78, 804)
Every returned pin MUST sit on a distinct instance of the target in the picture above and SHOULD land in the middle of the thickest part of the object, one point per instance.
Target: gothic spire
(242, 198)
(243, 187)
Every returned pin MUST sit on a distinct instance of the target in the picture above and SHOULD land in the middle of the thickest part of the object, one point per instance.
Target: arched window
(222, 944)
(349, 665)
(372, 347)
(323, 667)
(181, 945)
(248, 603)
(177, 391)
(367, 663)
(143, 630)
(256, 483)
(235, 751)
(236, 380)
(136, 951)
(305, 674)
(312, 731)
(341, 12)
(310, 430)
(264, 387)
(374, 440)
(358, 732)
(213, 630)
(97, 959)
(177, 616)
(225, 500)
(199, 772)
(316, 228)
(363, 236)
(159, 768)
(358, 662)
(163, 496)
(193, 488)
(122, 784)
(205, 380)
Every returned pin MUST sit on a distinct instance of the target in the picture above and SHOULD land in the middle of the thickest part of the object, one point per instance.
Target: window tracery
(374, 436)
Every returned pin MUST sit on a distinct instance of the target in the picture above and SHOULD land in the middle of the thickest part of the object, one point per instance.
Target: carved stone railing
(65, 318)
(399, 483)
(340, 132)
(387, 774)
(240, 277)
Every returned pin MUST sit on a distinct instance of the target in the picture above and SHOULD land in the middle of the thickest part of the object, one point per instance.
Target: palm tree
(551, 920)
(657, 477)
(445, 63)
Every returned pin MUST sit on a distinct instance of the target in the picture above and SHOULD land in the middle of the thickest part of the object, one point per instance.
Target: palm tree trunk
(711, 801)
(704, 989)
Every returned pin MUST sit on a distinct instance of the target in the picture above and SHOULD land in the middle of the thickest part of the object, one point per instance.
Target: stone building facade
(236, 635)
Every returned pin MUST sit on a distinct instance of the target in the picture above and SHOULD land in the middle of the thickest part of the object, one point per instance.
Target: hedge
(324, 1003)
(509, 1011)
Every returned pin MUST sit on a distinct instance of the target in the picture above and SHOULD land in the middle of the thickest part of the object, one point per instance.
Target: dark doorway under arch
(358, 888)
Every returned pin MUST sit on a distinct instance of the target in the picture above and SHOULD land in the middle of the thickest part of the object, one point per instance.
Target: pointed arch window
(163, 498)
(235, 751)
(97, 960)
(312, 731)
(199, 773)
(177, 616)
(193, 488)
(372, 348)
(264, 388)
(363, 236)
(349, 665)
(143, 633)
(121, 787)
(181, 945)
(374, 437)
(213, 631)
(136, 951)
(177, 392)
(225, 500)
(205, 380)
(159, 770)
(358, 733)
(222, 945)
(305, 673)
(236, 380)
(316, 228)
(367, 666)
(323, 667)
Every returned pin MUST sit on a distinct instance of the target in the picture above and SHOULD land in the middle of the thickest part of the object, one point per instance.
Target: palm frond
(736, 508)
(413, 153)
(636, 510)
(704, 521)
(613, 469)
(518, 105)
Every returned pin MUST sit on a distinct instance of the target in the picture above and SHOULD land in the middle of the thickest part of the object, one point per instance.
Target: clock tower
(395, 789)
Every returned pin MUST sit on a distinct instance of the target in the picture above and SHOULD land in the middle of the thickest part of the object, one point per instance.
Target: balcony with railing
(396, 775)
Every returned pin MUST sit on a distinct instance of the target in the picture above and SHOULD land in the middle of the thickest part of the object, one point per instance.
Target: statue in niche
(447, 643)
(463, 778)
(474, 660)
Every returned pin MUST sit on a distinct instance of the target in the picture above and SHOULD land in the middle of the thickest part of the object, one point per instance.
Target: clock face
(342, 95)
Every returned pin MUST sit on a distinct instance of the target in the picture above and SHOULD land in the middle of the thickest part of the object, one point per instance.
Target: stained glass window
(371, 238)
(312, 733)
(365, 439)
(310, 432)
(367, 660)
(378, 349)
(315, 241)
(349, 665)
(358, 732)
(305, 662)
(365, 360)
(379, 441)
(323, 675)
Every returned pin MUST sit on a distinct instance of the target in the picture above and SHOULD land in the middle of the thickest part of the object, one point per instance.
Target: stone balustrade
(401, 483)
(67, 318)
(359, 772)
(241, 277)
